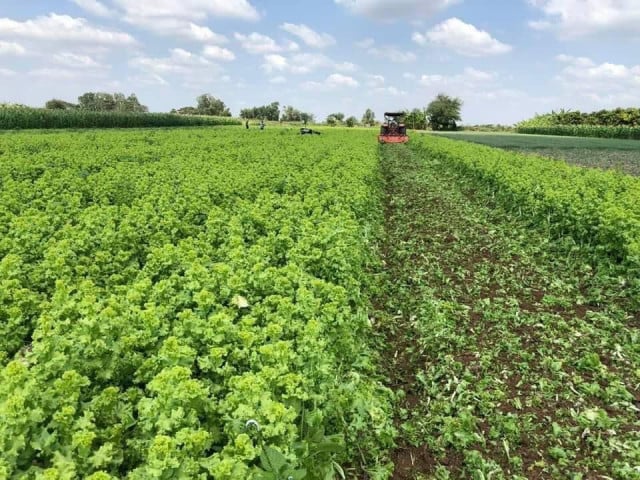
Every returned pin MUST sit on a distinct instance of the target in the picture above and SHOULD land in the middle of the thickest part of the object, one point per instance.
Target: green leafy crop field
(225, 303)
(176, 303)
(621, 155)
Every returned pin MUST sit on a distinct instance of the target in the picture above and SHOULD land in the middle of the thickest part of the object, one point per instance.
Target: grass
(605, 153)
(513, 357)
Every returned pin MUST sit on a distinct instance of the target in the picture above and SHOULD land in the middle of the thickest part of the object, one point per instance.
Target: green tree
(416, 119)
(56, 104)
(338, 116)
(307, 117)
(351, 121)
(369, 118)
(268, 112)
(444, 112)
(210, 105)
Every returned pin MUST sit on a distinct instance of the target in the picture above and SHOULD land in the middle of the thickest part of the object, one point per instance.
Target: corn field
(32, 118)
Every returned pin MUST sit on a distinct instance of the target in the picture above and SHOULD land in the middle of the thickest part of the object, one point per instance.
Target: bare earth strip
(512, 358)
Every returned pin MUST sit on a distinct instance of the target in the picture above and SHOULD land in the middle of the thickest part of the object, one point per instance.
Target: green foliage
(416, 119)
(368, 118)
(56, 104)
(33, 118)
(106, 102)
(629, 133)
(600, 209)
(209, 105)
(266, 112)
(443, 112)
(160, 289)
(621, 123)
(291, 114)
(351, 121)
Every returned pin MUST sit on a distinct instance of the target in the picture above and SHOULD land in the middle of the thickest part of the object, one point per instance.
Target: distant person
(247, 124)
(262, 124)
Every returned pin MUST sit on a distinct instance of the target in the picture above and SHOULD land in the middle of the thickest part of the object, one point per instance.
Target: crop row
(185, 304)
(628, 133)
(36, 118)
(599, 209)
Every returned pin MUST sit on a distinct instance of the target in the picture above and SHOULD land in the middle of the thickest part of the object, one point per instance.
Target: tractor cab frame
(393, 130)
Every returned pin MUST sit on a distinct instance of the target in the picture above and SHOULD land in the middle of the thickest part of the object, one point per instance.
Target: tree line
(442, 113)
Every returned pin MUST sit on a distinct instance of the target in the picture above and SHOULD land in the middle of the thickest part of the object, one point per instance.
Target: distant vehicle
(393, 130)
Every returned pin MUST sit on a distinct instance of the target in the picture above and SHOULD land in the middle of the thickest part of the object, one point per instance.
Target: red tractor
(393, 130)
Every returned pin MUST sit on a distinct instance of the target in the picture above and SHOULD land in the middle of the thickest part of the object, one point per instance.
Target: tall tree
(369, 118)
(444, 112)
(210, 105)
(351, 121)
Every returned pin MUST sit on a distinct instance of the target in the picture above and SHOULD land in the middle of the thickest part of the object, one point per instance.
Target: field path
(513, 358)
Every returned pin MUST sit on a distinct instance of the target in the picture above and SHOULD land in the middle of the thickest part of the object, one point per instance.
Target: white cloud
(388, 52)
(11, 48)
(73, 60)
(64, 73)
(184, 18)
(303, 63)
(345, 67)
(462, 38)
(574, 18)
(339, 80)
(409, 76)
(466, 81)
(308, 36)
(181, 63)
(63, 28)
(332, 82)
(278, 80)
(190, 10)
(258, 44)
(5, 72)
(218, 53)
(386, 9)
(605, 83)
(375, 80)
(94, 7)
(390, 91)
(202, 34)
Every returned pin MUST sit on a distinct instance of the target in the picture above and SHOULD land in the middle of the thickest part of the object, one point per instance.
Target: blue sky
(506, 59)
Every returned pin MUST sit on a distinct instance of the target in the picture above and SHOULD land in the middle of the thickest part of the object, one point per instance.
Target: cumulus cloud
(93, 7)
(309, 36)
(184, 18)
(11, 48)
(259, 44)
(74, 60)
(388, 52)
(332, 82)
(190, 10)
(469, 80)
(575, 18)
(63, 28)
(302, 63)
(218, 53)
(462, 38)
(180, 62)
(375, 80)
(386, 10)
(609, 84)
